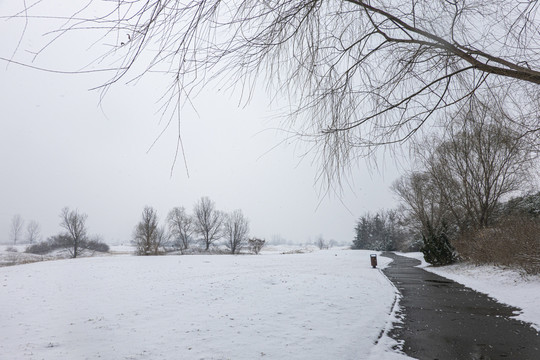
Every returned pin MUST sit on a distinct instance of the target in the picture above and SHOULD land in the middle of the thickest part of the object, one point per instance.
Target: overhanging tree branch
(356, 74)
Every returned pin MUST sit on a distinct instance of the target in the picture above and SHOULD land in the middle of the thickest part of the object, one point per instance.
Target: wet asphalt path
(445, 320)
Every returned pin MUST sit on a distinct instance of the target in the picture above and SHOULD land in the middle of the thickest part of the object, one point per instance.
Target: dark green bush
(437, 249)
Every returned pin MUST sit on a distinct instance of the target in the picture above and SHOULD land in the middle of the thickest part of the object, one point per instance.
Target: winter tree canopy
(356, 74)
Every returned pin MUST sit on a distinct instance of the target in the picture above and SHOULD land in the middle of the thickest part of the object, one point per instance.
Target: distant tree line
(320, 241)
(203, 230)
(383, 231)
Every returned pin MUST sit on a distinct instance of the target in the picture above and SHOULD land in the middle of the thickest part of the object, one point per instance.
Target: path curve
(445, 320)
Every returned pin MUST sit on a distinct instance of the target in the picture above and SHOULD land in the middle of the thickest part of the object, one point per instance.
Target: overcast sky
(59, 147)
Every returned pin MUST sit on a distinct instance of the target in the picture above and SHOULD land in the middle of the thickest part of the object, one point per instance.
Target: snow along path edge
(385, 346)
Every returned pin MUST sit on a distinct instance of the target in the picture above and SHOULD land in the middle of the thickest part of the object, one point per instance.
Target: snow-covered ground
(290, 302)
(327, 304)
(14, 255)
(505, 285)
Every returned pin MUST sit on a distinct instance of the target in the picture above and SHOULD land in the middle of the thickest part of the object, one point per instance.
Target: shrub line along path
(445, 320)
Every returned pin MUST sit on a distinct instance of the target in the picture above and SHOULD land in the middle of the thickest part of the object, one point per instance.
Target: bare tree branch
(357, 74)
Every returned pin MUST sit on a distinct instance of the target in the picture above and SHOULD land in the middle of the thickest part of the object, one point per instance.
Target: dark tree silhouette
(74, 224)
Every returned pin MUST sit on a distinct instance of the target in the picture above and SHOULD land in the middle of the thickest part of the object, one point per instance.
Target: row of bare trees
(16, 232)
(206, 226)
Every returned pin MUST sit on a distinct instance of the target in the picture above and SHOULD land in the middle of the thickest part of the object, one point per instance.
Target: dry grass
(513, 242)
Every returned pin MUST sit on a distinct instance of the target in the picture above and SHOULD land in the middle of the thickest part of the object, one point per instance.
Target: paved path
(445, 320)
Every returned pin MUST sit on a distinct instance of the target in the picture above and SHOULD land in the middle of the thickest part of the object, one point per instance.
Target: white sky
(59, 148)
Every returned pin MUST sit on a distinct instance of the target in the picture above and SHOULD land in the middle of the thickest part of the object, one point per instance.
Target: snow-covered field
(505, 285)
(287, 303)
(327, 304)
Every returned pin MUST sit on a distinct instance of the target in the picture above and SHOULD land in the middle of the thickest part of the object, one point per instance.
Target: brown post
(373, 260)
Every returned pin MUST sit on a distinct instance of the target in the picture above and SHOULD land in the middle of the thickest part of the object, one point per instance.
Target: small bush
(513, 242)
(322, 244)
(255, 245)
(96, 245)
(41, 248)
(11, 249)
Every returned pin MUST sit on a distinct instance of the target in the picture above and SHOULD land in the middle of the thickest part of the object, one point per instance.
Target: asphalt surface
(445, 320)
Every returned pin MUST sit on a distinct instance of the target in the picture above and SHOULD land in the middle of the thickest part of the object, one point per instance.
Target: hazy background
(61, 145)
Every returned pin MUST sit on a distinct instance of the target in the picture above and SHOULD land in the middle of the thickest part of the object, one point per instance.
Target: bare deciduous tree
(424, 201)
(235, 231)
(148, 237)
(33, 231)
(207, 221)
(366, 73)
(74, 224)
(321, 243)
(465, 172)
(180, 228)
(430, 212)
(17, 224)
(479, 161)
